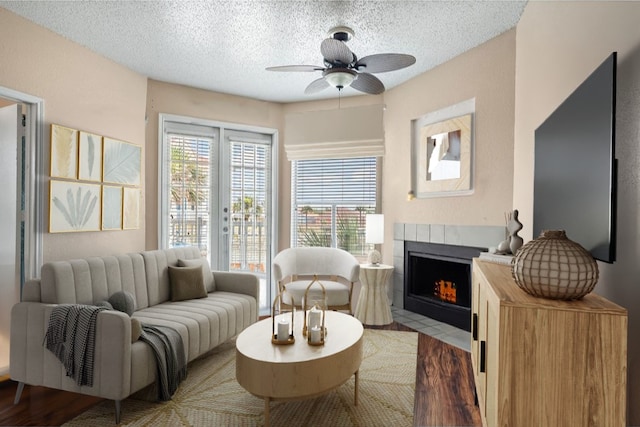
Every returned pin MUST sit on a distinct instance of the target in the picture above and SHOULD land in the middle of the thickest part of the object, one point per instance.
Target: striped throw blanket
(168, 348)
(71, 337)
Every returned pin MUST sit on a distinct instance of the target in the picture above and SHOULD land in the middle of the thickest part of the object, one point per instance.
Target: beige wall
(558, 46)
(485, 73)
(81, 90)
(169, 98)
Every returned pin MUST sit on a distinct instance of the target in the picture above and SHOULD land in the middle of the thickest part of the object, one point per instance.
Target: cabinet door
(481, 361)
(492, 352)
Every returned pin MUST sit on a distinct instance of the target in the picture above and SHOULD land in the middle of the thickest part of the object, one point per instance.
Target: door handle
(474, 326)
(483, 357)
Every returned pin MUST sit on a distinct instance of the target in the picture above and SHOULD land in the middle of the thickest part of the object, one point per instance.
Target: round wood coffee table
(299, 370)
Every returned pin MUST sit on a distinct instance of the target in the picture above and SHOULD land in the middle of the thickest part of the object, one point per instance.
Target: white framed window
(330, 199)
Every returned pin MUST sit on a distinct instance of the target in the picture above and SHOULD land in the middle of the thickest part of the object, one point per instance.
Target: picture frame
(130, 208)
(442, 152)
(121, 162)
(73, 206)
(64, 152)
(89, 157)
(112, 207)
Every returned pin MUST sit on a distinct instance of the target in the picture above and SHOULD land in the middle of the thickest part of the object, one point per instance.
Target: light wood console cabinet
(541, 362)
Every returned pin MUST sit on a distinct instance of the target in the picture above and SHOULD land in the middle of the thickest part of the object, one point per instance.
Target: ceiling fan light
(343, 34)
(339, 78)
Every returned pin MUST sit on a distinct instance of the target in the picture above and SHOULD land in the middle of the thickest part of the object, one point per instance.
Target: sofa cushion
(186, 283)
(205, 322)
(156, 267)
(123, 301)
(207, 275)
(93, 279)
(337, 293)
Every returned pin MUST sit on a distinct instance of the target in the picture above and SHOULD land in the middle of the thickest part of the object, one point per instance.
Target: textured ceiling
(225, 46)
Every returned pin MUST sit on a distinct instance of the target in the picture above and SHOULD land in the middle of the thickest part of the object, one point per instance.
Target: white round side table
(373, 304)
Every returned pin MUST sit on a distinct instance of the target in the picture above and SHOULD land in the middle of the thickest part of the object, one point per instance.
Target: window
(250, 170)
(190, 165)
(330, 200)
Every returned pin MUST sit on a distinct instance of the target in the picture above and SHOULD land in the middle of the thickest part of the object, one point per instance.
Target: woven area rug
(211, 396)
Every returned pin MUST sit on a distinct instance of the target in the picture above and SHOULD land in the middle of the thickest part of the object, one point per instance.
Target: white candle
(283, 330)
(315, 335)
(314, 318)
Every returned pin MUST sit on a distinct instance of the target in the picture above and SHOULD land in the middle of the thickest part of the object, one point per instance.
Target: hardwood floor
(444, 384)
(444, 392)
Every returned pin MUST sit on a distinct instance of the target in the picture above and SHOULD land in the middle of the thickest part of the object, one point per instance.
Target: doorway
(20, 207)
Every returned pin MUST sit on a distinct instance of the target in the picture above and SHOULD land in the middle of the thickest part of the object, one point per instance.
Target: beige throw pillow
(207, 275)
(186, 283)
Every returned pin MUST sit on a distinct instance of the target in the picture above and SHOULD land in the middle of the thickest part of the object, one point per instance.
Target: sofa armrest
(31, 291)
(31, 362)
(241, 283)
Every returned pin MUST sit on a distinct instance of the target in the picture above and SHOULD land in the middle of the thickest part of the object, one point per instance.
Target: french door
(217, 194)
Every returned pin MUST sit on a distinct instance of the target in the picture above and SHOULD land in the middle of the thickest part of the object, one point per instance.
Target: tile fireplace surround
(462, 235)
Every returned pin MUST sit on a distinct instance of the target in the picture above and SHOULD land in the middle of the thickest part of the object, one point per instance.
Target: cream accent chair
(336, 269)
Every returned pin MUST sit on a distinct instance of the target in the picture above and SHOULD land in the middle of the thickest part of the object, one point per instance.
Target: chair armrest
(31, 362)
(240, 283)
(347, 267)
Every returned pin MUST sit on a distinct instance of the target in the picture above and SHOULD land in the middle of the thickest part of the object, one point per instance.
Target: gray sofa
(122, 367)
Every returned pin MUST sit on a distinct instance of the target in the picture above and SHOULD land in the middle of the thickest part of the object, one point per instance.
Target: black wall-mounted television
(575, 167)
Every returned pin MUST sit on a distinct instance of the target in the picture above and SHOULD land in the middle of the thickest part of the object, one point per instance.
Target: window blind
(330, 200)
(342, 181)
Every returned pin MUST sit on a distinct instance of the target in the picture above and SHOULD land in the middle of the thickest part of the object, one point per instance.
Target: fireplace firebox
(437, 281)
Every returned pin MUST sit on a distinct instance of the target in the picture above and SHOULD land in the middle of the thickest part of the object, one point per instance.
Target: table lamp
(374, 234)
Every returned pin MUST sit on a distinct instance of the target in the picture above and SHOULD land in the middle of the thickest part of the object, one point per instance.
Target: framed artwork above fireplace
(442, 152)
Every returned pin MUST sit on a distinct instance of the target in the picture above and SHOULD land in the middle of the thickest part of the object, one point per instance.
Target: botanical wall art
(73, 206)
(84, 162)
(64, 152)
(111, 207)
(122, 162)
(90, 157)
(131, 208)
(442, 152)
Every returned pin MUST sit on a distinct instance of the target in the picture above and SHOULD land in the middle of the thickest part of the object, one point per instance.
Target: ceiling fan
(342, 67)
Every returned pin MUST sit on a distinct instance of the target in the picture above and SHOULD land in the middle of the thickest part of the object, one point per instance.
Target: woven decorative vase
(552, 266)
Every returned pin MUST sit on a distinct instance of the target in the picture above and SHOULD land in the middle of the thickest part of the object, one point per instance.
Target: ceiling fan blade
(296, 68)
(336, 51)
(316, 86)
(383, 62)
(368, 83)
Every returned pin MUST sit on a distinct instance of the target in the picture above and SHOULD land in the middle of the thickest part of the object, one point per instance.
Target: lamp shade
(374, 230)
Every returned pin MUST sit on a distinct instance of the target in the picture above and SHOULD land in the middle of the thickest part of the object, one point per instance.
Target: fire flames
(445, 290)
